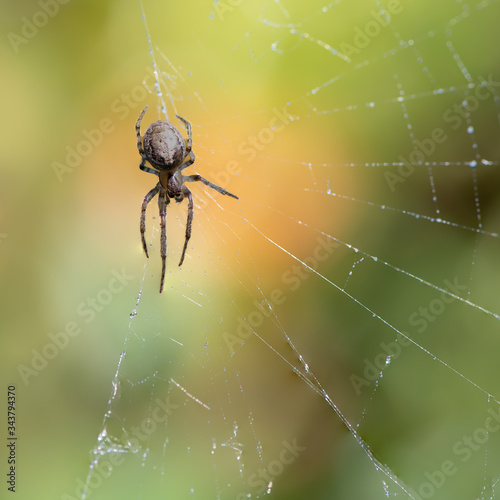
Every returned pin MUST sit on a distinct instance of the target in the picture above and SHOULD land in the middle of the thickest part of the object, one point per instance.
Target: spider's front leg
(163, 201)
(145, 202)
(189, 223)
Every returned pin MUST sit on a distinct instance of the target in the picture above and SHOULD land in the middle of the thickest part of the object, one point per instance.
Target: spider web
(333, 333)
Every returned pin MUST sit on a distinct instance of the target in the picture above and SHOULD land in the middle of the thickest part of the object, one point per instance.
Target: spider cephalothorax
(165, 149)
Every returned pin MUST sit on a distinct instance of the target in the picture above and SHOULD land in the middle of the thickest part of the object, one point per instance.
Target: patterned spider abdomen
(164, 145)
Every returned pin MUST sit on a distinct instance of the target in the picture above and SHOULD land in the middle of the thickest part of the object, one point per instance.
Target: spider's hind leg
(147, 169)
(188, 162)
(138, 131)
(189, 142)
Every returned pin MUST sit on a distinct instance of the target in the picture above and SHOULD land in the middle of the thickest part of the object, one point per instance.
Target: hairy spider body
(164, 145)
(168, 153)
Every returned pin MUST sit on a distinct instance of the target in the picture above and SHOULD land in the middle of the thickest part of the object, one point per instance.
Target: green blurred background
(69, 226)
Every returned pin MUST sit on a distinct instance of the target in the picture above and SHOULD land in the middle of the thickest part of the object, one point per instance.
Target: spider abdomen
(164, 145)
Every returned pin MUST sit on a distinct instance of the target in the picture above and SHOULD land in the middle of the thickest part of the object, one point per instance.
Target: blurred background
(356, 275)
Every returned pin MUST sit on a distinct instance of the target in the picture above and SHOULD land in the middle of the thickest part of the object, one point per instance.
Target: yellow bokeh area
(333, 332)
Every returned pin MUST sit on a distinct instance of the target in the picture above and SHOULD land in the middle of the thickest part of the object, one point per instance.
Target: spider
(168, 154)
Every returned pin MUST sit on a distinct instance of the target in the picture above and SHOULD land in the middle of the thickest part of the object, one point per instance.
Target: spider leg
(189, 142)
(197, 177)
(145, 202)
(188, 162)
(147, 169)
(189, 223)
(138, 132)
(163, 201)
(143, 166)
